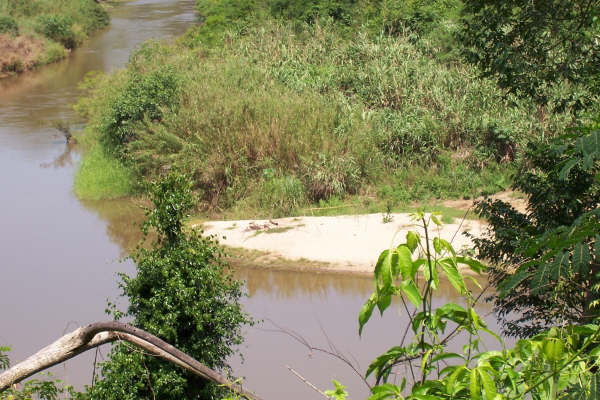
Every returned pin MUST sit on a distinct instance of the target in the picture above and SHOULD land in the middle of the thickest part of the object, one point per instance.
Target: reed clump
(279, 116)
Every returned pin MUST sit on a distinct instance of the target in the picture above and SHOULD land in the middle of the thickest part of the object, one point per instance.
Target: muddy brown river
(60, 256)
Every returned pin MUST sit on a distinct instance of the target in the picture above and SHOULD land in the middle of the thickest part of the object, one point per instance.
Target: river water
(61, 256)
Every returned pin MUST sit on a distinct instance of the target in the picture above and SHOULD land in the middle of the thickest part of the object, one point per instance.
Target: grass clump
(43, 31)
(101, 176)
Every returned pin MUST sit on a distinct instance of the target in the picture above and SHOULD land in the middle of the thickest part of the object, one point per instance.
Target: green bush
(143, 97)
(8, 25)
(183, 293)
(58, 28)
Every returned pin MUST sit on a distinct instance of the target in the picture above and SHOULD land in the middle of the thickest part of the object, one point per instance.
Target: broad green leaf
(416, 265)
(437, 246)
(412, 292)
(553, 349)
(447, 246)
(474, 386)
(365, 313)
(379, 264)
(383, 301)
(489, 387)
(472, 263)
(385, 391)
(404, 260)
(453, 275)
(435, 220)
(412, 240)
(451, 382)
(386, 270)
(452, 312)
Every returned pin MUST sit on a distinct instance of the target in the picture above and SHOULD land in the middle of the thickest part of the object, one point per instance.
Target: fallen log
(96, 334)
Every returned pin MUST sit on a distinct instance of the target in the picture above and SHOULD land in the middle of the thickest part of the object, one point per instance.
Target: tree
(183, 294)
(545, 259)
(533, 47)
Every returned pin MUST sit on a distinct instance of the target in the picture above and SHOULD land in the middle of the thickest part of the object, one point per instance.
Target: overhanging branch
(96, 334)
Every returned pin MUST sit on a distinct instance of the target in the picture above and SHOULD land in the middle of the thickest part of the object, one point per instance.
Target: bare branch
(96, 334)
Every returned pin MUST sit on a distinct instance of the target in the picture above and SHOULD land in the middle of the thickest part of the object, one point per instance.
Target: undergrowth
(279, 117)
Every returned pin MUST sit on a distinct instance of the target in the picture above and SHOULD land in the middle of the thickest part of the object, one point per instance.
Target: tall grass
(282, 115)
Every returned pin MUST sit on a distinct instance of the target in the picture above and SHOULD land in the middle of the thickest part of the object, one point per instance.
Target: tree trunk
(96, 334)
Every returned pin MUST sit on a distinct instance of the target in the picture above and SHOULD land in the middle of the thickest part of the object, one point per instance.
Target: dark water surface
(60, 256)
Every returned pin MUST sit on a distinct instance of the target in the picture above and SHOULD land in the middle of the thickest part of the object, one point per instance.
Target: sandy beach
(345, 243)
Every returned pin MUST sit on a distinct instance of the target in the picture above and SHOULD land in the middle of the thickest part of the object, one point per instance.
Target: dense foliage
(269, 110)
(558, 363)
(560, 182)
(183, 294)
(537, 49)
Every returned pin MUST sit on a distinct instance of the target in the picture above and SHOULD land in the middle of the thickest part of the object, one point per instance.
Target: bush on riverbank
(315, 109)
(36, 32)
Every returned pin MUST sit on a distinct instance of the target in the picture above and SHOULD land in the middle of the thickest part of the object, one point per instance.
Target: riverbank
(345, 243)
(35, 33)
(278, 117)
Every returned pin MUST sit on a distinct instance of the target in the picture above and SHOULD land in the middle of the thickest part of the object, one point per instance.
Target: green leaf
(446, 245)
(365, 312)
(581, 258)
(379, 266)
(474, 386)
(412, 292)
(451, 382)
(437, 246)
(564, 172)
(404, 259)
(386, 270)
(489, 386)
(560, 266)
(553, 349)
(475, 265)
(435, 220)
(541, 278)
(383, 301)
(508, 284)
(412, 240)
(385, 391)
(453, 275)
(424, 361)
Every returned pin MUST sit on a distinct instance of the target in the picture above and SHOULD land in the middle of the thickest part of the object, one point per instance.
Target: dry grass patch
(18, 54)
